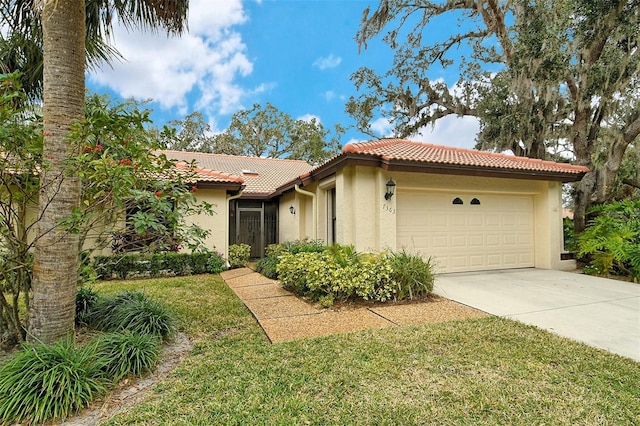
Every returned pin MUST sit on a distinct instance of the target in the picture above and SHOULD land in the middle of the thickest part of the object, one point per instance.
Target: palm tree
(65, 27)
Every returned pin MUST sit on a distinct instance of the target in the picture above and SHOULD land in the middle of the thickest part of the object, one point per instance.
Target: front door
(249, 230)
(253, 222)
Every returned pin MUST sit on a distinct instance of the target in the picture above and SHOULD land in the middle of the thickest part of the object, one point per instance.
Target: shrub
(86, 300)
(216, 264)
(340, 273)
(412, 274)
(275, 250)
(611, 241)
(123, 354)
(267, 266)
(128, 265)
(45, 382)
(133, 312)
(239, 255)
(305, 246)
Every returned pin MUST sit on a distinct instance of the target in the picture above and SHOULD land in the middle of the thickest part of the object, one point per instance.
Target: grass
(488, 371)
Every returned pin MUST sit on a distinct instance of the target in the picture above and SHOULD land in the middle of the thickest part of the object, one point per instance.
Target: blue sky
(296, 54)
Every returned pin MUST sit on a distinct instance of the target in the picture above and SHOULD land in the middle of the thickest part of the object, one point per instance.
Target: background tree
(191, 134)
(540, 76)
(268, 132)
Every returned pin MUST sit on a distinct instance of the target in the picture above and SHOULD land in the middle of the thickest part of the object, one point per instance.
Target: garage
(467, 231)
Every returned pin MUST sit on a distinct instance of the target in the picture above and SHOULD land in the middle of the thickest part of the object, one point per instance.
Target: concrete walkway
(284, 317)
(600, 312)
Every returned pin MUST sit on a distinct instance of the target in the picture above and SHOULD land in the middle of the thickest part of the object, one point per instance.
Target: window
(475, 202)
(331, 216)
(457, 200)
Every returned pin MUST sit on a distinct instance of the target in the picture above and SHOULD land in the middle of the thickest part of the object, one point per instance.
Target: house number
(388, 208)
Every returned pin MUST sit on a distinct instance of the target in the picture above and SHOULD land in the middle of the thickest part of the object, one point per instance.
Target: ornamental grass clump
(123, 354)
(132, 311)
(86, 300)
(45, 382)
(412, 274)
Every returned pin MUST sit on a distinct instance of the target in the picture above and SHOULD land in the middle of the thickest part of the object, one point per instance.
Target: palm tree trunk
(52, 309)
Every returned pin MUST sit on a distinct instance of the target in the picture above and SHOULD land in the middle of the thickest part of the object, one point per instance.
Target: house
(469, 210)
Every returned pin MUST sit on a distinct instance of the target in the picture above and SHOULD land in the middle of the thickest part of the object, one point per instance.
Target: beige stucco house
(469, 210)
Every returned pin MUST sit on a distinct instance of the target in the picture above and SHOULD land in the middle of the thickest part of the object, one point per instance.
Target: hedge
(132, 265)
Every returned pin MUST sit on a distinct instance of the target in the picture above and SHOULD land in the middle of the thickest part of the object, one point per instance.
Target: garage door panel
(496, 234)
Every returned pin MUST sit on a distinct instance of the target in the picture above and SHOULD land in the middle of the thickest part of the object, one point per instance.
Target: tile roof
(205, 175)
(261, 176)
(419, 152)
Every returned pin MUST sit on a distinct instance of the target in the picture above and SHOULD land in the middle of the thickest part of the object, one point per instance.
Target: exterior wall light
(391, 189)
(292, 210)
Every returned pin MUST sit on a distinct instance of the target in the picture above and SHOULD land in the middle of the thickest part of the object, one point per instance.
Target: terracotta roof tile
(403, 150)
(205, 175)
(261, 176)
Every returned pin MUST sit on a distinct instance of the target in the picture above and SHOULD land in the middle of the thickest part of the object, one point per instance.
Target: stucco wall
(368, 221)
(217, 224)
(288, 224)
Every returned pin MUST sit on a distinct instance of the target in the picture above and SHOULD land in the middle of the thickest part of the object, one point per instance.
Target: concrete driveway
(600, 312)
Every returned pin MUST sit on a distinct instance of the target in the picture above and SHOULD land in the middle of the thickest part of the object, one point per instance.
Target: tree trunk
(52, 309)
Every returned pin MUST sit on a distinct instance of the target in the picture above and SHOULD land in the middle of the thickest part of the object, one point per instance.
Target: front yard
(486, 371)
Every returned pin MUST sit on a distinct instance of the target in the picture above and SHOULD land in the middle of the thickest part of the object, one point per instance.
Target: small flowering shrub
(216, 264)
(239, 255)
(339, 273)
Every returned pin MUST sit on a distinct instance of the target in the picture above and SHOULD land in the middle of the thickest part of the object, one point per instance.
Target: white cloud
(451, 130)
(327, 62)
(382, 127)
(203, 63)
(309, 117)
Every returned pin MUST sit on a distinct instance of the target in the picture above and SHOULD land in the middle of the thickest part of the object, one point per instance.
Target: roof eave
(480, 171)
(229, 186)
(357, 159)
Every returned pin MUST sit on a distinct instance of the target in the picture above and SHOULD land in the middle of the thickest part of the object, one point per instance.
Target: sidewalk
(284, 317)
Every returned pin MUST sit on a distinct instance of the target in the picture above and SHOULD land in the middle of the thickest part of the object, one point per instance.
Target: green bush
(123, 354)
(216, 264)
(340, 273)
(86, 300)
(412, 274)
(239, 255)
(305, 246)
(133, 312)
(611, 242)
(45, 382)
(267, 266)
(275, 250)
(129, 265)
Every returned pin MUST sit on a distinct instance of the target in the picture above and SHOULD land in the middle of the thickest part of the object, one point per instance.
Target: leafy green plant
(123, 354)
(44, 382)
(134, 312)
(128, 265)
(239, 255)
(340, 273)
(570, 243)
(305, 246)
(268, 266)
(216, 263)
(86, 300)
(611, 242)
(412, 274)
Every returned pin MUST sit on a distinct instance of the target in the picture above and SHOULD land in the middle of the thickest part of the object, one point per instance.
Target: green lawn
(487, 371)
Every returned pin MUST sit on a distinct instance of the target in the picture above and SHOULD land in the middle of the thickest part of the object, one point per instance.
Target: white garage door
(467, 232)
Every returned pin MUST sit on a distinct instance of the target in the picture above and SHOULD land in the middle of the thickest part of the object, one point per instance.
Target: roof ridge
(213, 154)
